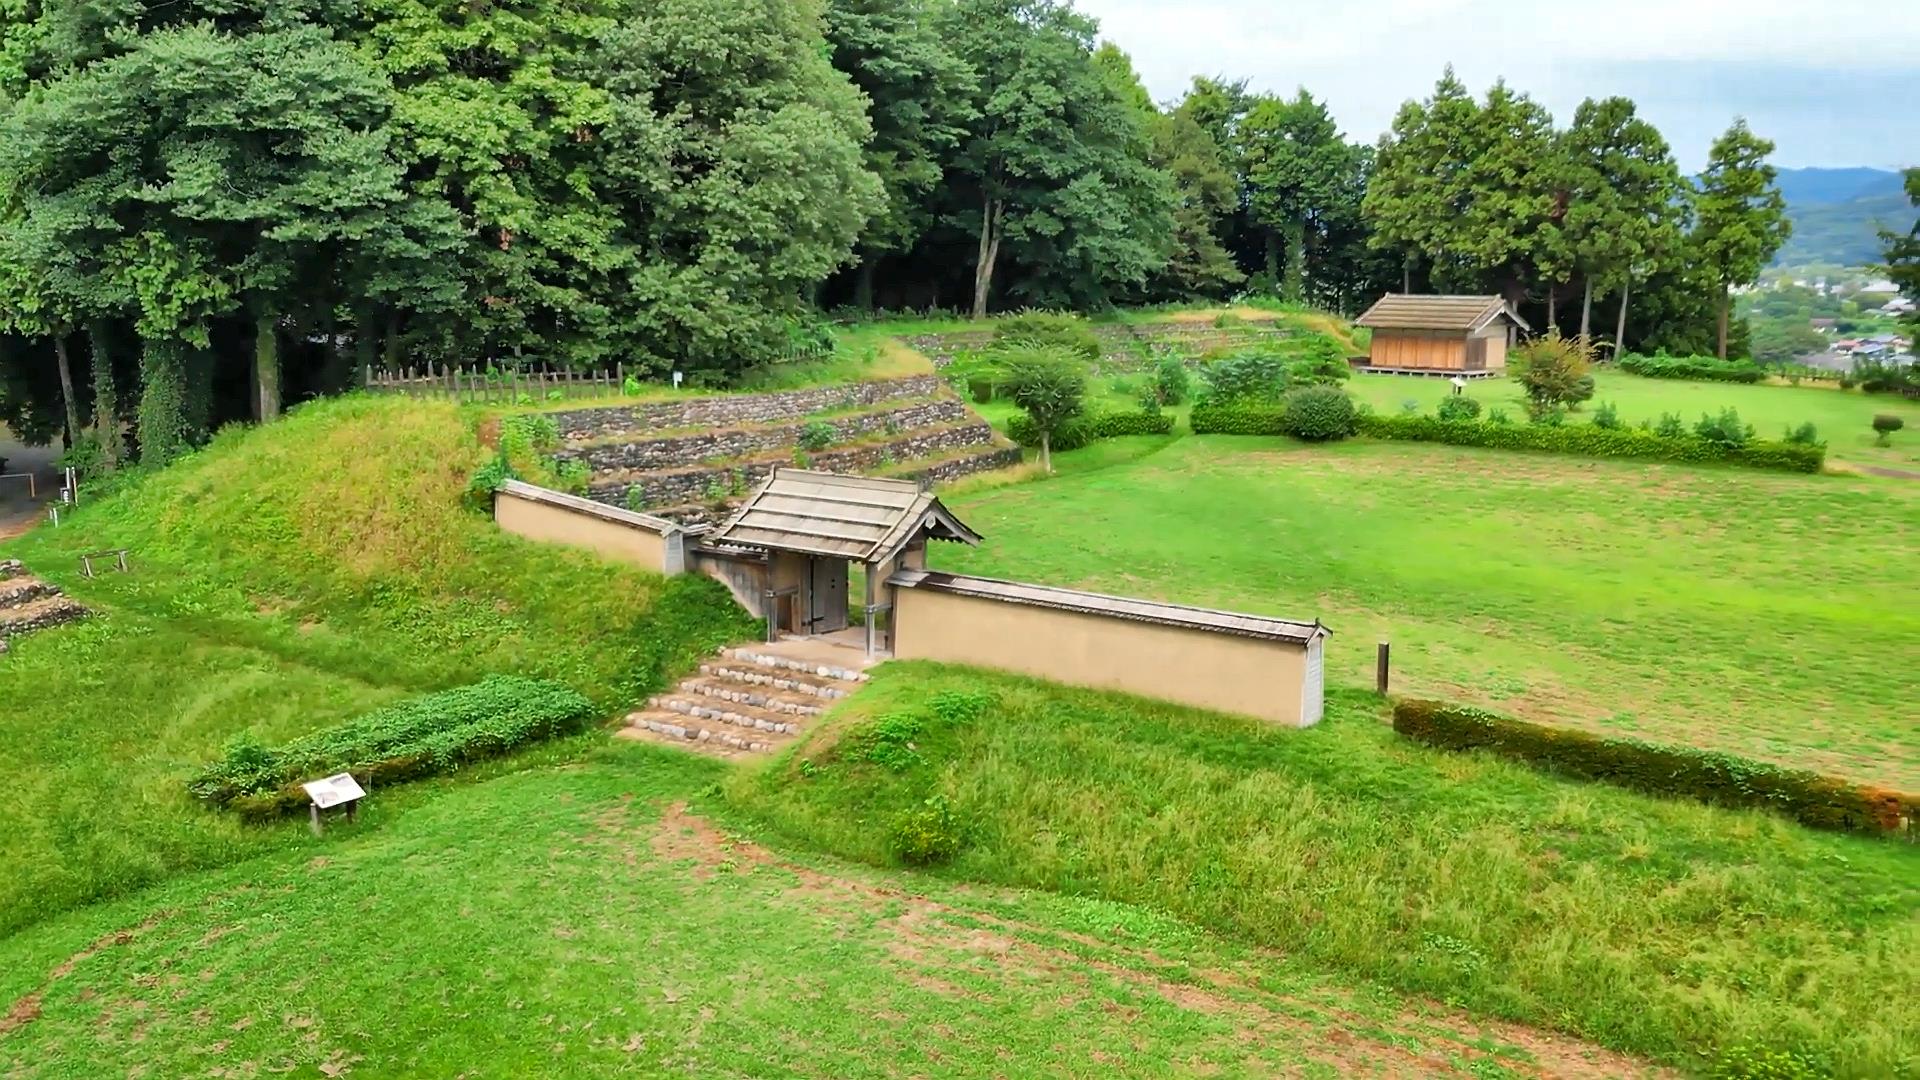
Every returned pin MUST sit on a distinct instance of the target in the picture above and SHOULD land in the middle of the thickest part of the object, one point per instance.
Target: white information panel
(334, 790)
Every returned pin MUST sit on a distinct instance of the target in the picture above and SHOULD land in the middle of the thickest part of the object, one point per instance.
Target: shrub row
(1238, 419)
(1082, 430)
(432, 734)
(1823, 802)
(1592, 441)
(1711, 368)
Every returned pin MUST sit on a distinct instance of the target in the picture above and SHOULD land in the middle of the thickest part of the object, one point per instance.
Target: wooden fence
(519, 385)
(505, 385)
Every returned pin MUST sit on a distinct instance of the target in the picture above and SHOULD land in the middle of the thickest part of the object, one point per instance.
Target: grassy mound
(1665, 928)
(285, 580)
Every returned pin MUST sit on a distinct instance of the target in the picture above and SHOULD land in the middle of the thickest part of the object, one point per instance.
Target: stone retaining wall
(1117, 341)
(674, 487)
(577, 425)
(689, 450)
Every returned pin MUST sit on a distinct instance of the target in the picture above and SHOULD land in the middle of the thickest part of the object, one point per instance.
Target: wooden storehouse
(1440, 335)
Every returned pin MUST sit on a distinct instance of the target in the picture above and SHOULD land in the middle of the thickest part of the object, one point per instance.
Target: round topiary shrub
(1318, 414)
(1459, 407)
(1884, 425)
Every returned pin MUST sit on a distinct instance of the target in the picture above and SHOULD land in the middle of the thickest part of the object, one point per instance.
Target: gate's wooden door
(1476, 354)
(827, 595)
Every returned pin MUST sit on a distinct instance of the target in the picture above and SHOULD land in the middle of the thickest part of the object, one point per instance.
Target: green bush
(1458, 407)
(1670, 426)
(1318, 414)
(1553, 370)
(816, 435)
(1804, 435)
(1726, 429)
(1081, 430)
(1172, 384)
(1880, 377)
(1048, 330)
(886, 741)
(1710, 368)
(1606, 416)
(1823, 802)
(1252, 376)
(1237, 418)
(1884, 425)
(1322, 361)
(927, 835)
(435, 733)
(1590, 441)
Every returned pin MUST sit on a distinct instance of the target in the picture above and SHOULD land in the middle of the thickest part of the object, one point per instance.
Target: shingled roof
(1122, 607)
(1403, 311)
(863, 518)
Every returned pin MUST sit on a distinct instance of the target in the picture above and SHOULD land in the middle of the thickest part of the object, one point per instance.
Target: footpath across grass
(285, 580)
(1701, 936)
(1755, 613)
(601, 919)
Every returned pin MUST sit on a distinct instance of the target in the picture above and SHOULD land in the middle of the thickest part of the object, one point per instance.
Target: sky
(1831, 82)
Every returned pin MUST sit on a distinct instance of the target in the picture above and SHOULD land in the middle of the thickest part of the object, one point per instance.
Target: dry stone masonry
(28, 604)
(581, 425)
(674, 456)
(1119, 341)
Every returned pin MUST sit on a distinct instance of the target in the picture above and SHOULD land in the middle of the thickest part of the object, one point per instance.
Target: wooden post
(1380, 670)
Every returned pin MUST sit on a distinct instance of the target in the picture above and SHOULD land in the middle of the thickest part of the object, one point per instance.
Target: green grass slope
(285, 579)
(1758, 614)
(1666, 928)
(602, 919)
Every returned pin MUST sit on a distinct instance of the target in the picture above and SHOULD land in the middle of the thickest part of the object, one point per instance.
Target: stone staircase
(28, 604)
(750, 699)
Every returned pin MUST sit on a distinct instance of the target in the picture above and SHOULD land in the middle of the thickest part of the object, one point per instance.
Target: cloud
(1834, 83)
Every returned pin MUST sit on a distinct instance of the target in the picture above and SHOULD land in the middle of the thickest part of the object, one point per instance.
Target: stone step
(773, 677)
(11, 568)
(767, 658)
(20, 591)
(786, 702)
(636, 733)
(709, 712)
(691, 733)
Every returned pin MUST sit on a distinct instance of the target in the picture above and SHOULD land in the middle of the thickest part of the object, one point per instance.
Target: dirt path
(18, 512)
(961, 951)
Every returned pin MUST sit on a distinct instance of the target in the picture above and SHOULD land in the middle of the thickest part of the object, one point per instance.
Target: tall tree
(1626, 204)
(1740, 216)
(1476, 189)
(1296, 166)
(1204, 190)
(1054, 168)
(921, 96)
(1903, 256)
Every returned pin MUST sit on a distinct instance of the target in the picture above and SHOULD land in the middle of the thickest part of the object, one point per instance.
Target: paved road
(16, 511)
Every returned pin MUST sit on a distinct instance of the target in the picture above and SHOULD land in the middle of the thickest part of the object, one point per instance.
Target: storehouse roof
(1015, 592)
(855, 517)
(1402, 311)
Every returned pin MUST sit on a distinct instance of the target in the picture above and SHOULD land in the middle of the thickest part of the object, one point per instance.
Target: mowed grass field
(1762, 614)
(1844, 418)
(604, 918)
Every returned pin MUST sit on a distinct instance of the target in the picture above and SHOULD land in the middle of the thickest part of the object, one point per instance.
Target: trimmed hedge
(1823, 802)
(1234, 419)
(1082, 430)
(1591, 441)
(420, 737)
(1710, 368)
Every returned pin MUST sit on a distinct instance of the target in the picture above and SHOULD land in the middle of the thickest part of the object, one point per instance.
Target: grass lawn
(1697, 935)
(284, 580)
(600, 919)
(1758, 613)
(1843, 417)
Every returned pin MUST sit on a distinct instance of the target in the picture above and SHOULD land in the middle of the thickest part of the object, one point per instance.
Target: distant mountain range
(1838, 214)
